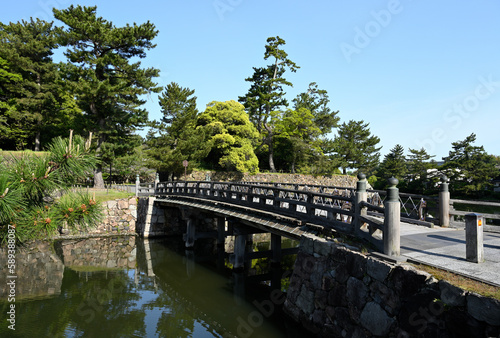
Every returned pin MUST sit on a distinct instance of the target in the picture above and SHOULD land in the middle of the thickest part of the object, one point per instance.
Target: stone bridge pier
(231, 235)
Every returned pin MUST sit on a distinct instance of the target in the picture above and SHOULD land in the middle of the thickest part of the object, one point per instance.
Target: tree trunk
(37, 141)
(272, 168)
(270, 144)
(39, 122)
(269, 141)
(98, 180)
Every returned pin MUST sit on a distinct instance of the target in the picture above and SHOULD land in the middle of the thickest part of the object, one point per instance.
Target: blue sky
(422, 73)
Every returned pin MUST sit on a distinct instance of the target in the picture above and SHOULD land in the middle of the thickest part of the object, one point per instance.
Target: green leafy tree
(109, 87)
(266, 93)
(419, 163)
(394, 164)
(296, 133)
(316, 101)
(355, 147)
(230, 137)
(469, 167)
(174, 139)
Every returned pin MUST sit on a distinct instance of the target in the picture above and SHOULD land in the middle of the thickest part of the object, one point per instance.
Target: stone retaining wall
(337, 292)
(105, 253)
(39, 265)
(120, 218)
(330, 180)
(38, 269)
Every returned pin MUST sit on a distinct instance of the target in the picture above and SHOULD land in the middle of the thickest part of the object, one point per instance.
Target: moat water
(128, 287)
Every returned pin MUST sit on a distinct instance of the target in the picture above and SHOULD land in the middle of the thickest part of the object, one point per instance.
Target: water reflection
(123, 287)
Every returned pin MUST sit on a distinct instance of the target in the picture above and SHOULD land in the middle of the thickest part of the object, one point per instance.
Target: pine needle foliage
(28, 181)
(77, 209)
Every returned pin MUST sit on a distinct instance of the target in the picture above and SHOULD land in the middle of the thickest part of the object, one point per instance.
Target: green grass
(462, 282)
(7, 153)
(103, 195)
(87, 268)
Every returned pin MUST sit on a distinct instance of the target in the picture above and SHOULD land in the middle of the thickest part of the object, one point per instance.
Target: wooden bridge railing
(339, 208)
(457, 217)
(320, 208)
(360, 211)
(414, 208)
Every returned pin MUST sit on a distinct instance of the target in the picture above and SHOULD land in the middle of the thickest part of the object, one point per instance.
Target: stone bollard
(392, 217)
(444, 203)
(474, 251)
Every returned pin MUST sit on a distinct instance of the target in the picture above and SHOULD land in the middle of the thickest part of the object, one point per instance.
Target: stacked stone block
(336, 291)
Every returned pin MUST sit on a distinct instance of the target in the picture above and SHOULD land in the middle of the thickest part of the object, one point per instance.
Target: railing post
(137, 184)
(157, 180)
(444, 203)
(392, 219)
(361, 196)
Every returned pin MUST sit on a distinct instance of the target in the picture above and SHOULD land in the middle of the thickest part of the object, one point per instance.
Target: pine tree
(316, 101)
(8, 81)
(297, 133)
(39, 101)
(394, 164)
(355, 147)
(174, 139)
(266, 92)
(419, 162)
(469, 167)
(108, 86)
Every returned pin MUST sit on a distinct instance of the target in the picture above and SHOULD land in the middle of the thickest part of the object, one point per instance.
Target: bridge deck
(445, 248)
(264, 220)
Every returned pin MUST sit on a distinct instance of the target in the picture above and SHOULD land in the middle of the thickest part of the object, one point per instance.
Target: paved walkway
(445, 248)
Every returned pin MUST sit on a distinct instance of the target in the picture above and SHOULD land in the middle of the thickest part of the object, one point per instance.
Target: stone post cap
(444, 183)
(393, 182)
(392, 191)
(473, 214)
(361, 184)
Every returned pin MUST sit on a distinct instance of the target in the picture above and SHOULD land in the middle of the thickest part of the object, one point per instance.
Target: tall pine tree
(355, 147)
(108, 85)
(266, 92)
(469, 167)
(39, 100)
(174, 139)
(419, 162)
(316, 101)
(394, 164)
(8, 81)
